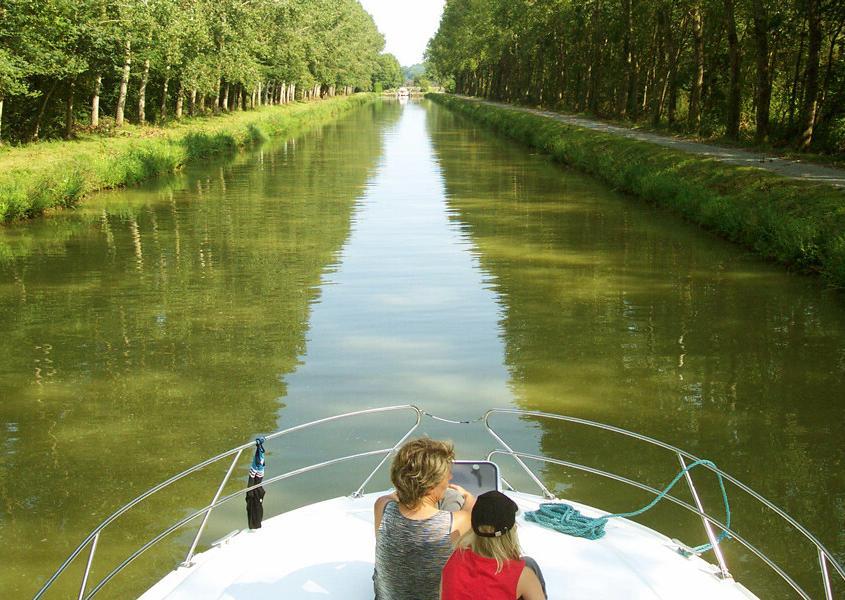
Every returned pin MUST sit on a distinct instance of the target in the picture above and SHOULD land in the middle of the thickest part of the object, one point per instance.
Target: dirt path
(735, 156)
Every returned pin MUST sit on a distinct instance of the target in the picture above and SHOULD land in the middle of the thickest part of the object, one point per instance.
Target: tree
(234, 53)
(641, 59)
(388, 72)
(11, 81)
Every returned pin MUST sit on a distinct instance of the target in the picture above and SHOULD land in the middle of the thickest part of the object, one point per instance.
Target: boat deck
(325, 550)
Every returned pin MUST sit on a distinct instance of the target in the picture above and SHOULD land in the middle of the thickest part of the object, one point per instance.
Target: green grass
(799, 223)
(53, 175)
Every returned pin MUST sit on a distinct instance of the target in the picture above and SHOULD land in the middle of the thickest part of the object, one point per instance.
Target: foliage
(794, 222)
(413, 72)
(388, 73)
(733, 68)
(59, 174)
(160, 54)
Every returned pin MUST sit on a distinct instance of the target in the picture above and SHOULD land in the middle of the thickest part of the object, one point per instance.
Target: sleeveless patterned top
(410, 555)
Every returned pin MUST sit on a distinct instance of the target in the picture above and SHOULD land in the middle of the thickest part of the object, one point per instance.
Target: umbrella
(255, 497)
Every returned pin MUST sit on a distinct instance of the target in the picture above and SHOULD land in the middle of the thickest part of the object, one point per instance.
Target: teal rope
(566, 519)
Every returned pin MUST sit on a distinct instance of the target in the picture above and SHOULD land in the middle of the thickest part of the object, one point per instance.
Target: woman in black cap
(488, 562)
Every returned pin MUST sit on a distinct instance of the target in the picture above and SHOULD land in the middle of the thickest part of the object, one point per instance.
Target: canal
(399, 255)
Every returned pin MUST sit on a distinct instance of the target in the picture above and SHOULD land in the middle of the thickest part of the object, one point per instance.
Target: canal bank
(40, 177)
(798, 223)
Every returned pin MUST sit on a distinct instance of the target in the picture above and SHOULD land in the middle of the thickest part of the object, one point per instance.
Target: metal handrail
(825, 556)
(94, 535)
(153, 541)
(706, 517)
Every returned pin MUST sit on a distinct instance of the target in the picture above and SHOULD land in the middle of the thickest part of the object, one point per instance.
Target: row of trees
(62, 61)
(773, 70)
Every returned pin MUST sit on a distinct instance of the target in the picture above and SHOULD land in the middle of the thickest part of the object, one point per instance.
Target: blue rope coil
(566, 519)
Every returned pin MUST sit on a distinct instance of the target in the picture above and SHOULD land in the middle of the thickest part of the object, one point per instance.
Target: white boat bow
(326, 549)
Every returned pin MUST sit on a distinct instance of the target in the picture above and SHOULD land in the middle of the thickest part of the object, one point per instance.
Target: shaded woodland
(769, 72)
(66, 64)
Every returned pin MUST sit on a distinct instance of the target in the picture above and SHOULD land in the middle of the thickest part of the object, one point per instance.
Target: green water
(400, 255)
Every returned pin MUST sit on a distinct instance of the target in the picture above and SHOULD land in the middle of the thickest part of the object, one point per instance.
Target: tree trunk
(734, 91)
(627, 60)
(37, 129)
(657, 84)
(180, 98)
(226, 97)
(764, 84)
(142, 92)
(796, 75)
(218, 100)
(202, 104)
(811, 75)
(676, 46)
(826, 84)
(1, 120)
(633, 83)
(694, 117)
(192, 103)
(95, 102)
(69, 109)
(124, 83)
(163, 109)
(595, 60)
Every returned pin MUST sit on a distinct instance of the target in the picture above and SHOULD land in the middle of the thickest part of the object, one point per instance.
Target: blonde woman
(414, 538)
(488, 562)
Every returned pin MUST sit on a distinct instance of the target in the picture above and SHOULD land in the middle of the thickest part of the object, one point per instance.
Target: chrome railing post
(88, 566)
(723, 567)
(187, 561)
(546, 493)
(828, 589)
(359, 492)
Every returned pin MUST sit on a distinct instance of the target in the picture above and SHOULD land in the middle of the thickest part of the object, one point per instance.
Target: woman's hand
(469, 499)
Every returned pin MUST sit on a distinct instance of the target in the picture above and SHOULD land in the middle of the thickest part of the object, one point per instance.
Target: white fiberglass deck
(326, 551)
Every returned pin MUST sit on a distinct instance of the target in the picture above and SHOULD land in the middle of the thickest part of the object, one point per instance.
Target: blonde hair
(419, 466)
(502, 548)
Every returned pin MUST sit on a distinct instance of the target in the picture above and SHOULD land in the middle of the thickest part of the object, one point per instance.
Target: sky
(407, 25)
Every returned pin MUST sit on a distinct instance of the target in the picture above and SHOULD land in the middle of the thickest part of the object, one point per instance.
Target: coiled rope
(566, 518)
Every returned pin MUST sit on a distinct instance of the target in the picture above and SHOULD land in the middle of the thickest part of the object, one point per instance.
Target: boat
(326, 549)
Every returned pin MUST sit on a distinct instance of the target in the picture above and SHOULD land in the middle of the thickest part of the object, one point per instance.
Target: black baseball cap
(495, 510)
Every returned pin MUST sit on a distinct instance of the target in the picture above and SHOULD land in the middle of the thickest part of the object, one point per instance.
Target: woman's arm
(528, 587)
(378, 509)
(462, 519)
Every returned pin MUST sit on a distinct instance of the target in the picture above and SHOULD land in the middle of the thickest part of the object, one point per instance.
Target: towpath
(735, 156)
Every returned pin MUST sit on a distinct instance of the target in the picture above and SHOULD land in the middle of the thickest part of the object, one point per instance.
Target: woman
(414, 538)
(488, 563)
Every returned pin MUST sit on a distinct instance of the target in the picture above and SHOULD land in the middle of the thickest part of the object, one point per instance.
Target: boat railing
(92, 539)
(825, 557)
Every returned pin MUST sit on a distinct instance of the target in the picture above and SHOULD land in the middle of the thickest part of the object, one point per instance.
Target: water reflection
(617, 312)
(152, 329)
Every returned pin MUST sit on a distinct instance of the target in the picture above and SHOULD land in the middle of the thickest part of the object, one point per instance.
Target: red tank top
(468, 576)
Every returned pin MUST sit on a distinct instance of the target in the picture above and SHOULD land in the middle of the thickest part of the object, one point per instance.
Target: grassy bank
(798, 223)
(58, 174)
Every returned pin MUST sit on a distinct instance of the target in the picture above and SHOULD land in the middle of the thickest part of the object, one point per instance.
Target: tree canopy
(63, 61)
(774, 71)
